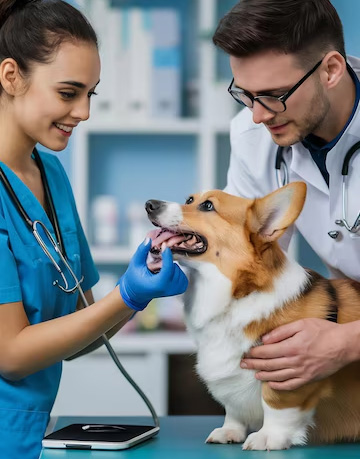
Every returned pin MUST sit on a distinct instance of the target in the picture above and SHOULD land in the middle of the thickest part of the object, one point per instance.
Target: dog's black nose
(152, 206)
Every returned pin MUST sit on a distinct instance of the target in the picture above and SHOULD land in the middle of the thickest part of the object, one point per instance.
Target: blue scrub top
(27, 275)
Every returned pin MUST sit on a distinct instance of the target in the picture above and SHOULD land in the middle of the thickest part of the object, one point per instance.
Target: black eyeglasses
(272, 103)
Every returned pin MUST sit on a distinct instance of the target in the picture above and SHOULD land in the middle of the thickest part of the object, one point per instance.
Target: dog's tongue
(159, 236)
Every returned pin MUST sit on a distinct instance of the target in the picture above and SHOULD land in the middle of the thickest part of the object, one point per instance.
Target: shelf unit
(206, 136)
(204, 130)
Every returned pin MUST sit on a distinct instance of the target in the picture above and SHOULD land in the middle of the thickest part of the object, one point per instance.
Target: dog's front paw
(267, 440)
(227, 435)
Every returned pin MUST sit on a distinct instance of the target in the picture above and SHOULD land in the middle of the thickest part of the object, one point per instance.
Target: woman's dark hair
(306, 28)
(32, 30)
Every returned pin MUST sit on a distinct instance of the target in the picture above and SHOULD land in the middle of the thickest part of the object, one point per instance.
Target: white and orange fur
(242, 287)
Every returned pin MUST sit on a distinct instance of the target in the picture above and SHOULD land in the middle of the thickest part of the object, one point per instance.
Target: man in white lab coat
(291, 72)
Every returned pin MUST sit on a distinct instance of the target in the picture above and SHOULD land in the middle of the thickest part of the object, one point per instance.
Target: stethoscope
(282, 178)
(36, 226)
(58, 246)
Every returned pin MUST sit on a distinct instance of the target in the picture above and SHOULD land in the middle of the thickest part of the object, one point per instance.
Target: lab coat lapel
(305, 168)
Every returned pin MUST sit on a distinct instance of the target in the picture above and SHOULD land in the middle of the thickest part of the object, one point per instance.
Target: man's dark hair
(306, 28)
(32, 30)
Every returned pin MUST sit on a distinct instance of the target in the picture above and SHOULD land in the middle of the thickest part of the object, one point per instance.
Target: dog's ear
(271, 215)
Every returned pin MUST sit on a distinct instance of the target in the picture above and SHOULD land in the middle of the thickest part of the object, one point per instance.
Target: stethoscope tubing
(349, 155)
(344, 173)
(279, 159)
(47, 252)
(15, 199)
(49, 201)
(280, 164)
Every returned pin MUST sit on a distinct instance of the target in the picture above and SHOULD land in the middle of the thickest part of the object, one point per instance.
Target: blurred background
(159, 129)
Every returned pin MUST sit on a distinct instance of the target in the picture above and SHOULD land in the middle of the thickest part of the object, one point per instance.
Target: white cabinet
(92, 385)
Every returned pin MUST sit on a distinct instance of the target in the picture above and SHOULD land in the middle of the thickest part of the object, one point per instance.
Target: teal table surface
(184, 436)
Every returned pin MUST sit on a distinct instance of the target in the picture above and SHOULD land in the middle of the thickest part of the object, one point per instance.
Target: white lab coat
(252, 174)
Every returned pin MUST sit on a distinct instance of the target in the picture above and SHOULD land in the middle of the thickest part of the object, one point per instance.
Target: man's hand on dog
(302, 351)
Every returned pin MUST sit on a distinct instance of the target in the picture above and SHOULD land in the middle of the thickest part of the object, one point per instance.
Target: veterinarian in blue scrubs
(49, 68)
(300, 92)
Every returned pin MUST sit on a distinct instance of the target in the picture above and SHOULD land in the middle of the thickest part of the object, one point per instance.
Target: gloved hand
(138, 286)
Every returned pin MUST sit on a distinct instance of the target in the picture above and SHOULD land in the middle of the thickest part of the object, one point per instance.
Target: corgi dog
(241, 286)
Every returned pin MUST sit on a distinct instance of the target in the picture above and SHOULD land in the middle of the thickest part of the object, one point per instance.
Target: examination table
(183, 437)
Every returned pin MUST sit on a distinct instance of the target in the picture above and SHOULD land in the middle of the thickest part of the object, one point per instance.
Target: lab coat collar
(304, 166)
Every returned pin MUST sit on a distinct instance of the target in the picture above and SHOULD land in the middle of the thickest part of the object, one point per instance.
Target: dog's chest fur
(217, 322)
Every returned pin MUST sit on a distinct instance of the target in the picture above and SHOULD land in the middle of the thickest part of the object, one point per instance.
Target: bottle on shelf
(139, 224)
(105, 220)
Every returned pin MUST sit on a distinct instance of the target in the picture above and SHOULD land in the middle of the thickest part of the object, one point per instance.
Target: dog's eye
(206, 206)
(189, 200)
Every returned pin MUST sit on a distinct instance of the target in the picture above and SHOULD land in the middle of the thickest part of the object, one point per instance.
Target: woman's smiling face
(57, 95)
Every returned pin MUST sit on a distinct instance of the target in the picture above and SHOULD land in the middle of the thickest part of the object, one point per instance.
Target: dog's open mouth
(180, 242)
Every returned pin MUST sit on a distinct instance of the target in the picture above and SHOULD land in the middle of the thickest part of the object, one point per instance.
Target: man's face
(274, 74)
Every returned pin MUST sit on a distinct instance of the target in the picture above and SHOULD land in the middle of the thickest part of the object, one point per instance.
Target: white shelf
(150, 342)
(111, 124)
(112, 254)
(205, 128)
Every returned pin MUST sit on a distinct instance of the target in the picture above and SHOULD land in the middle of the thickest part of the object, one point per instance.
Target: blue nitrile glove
(138, 286)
